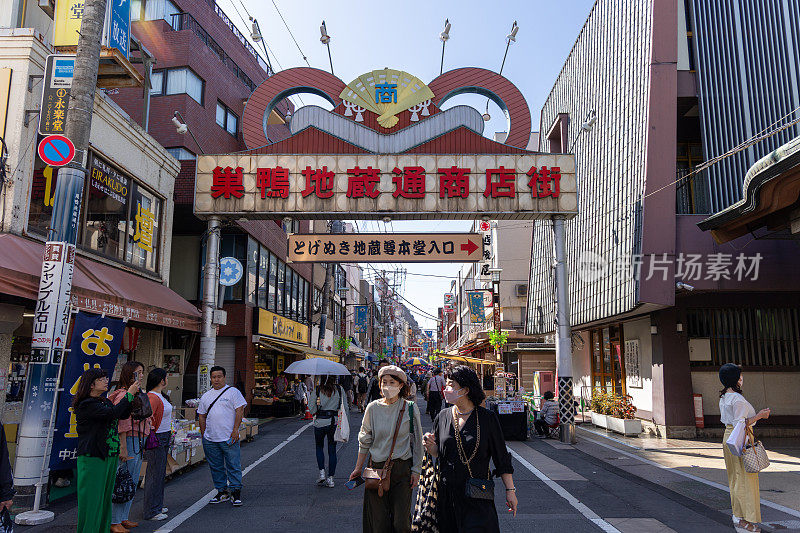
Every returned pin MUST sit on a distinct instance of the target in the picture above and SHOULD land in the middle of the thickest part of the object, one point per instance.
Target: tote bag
(342, 432)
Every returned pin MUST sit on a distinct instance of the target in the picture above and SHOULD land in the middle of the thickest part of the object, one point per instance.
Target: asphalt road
(560, 488)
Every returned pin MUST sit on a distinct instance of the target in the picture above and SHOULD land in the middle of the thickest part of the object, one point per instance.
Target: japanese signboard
(118, 25)
(406, 186)
(52, 309)
(633, 364)
(67, 22)
(385, 247)
(449, 301)
(361, 319)
(272, 325)
(55, 93)
(485, 229)
(108, 180)
(477, 310)
(95, 343)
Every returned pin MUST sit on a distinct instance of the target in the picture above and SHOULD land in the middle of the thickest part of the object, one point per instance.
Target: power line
(290, 33)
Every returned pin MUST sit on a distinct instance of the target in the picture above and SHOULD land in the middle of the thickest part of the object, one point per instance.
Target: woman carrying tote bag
(734, 408)
(390, 433)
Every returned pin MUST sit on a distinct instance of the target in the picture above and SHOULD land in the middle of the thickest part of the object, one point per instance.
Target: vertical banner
(477, 312)
(118, 25)
(449, 301)
(95, 343)
(361, 319)
(203, 379)
(67, 22)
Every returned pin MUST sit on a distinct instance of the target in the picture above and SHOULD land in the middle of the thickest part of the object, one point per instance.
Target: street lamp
(326, 40)
(181, 127)
(444, 37)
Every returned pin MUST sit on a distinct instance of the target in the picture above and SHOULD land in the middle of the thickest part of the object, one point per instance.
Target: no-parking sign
(56, 150)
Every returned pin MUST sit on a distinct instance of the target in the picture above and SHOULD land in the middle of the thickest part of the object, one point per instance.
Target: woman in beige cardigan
(391, 511)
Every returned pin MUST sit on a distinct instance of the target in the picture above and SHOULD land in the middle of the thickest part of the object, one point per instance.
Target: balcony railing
(229, 23)
(184, 21)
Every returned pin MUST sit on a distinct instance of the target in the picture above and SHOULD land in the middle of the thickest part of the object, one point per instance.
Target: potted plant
(600, 407)
(623, 419)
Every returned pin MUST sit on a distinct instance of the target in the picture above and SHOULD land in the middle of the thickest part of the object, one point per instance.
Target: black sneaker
(236, 498)
(222, 496)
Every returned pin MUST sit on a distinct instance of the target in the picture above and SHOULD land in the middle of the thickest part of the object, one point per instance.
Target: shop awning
(294, 349)
(465, 359)
(97, 287)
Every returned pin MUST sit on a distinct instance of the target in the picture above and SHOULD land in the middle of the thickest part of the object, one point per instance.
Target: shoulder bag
(124, 485)
(754, 456)
(481, 489)
(380, 479)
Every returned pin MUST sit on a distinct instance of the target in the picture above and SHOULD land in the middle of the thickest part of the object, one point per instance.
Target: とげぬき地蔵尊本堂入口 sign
(403, 186)
(386, 247)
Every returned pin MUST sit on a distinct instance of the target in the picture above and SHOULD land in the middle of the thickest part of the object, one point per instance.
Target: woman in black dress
(465, 455)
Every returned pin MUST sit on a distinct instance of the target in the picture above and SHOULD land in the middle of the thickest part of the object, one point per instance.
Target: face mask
(390, 391)
(451, 396)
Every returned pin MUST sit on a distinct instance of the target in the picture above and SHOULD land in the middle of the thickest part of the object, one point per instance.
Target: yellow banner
(278, 327)
(5, 92)
(67, 23)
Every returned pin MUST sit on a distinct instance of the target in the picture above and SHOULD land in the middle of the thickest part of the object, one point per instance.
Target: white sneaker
(159, 517)
(329, 482)
(164, 510)
(322, 476)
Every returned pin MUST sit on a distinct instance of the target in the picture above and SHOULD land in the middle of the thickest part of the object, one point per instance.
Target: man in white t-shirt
(221, 410)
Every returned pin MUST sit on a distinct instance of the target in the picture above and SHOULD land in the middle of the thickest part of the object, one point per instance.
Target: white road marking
(202, 502)
(561, 491)
(773, 505)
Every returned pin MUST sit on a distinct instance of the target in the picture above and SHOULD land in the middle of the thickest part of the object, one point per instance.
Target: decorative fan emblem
(387, 93)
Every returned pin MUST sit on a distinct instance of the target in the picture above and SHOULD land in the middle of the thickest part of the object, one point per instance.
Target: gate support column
(566, 402)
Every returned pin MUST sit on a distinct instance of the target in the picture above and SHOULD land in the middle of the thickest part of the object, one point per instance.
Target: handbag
(735, 441)
(380, 479)
(426, 508)
(342, 431)
(152, 441)
(124, 487)
(754, 456)
(141, 406)
(476, 488)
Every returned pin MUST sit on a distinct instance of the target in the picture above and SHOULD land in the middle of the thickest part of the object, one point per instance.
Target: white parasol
(317, 366)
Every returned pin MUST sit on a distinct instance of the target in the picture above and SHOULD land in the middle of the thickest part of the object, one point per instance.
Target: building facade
(650, 90)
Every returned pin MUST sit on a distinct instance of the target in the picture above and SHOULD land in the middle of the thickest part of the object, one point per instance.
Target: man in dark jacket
(6, 478)
(374, 389)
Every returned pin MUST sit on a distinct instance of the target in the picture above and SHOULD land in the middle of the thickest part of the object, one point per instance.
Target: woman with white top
(157, 457)
(324, 404)
(733, 408)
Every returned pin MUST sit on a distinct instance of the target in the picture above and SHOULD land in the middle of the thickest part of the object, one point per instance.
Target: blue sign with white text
(119, 30)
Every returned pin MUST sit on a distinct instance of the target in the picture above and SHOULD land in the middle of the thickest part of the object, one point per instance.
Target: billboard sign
(449, 301)
(56, 87)
(406, 186)
(385, 247)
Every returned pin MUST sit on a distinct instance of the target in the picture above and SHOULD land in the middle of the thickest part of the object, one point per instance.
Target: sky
(404, 35)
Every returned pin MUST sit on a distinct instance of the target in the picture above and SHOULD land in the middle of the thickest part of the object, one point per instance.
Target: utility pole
(36, 427)
(566, 402)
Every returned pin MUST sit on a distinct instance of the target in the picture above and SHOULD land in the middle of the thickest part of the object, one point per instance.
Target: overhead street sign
(404, 186)
(56, 150)
(386, 248)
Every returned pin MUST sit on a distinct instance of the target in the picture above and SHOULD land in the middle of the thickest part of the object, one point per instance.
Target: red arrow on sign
(469, 247)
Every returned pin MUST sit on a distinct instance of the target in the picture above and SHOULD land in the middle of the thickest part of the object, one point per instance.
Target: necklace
(459, 413)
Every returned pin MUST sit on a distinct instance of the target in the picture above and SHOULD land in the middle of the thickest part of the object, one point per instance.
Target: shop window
(607, 364)
(144, 229)
(292, 227)
(304, 302)
(156, 82)
(227, 119)
(153, 10)
(296, 295)
(106, 206)
(272, 296)
(252, 272)
(263, 277)
(280, 292)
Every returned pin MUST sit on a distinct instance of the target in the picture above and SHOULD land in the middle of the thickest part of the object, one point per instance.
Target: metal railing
(242, 39)
(184, 21)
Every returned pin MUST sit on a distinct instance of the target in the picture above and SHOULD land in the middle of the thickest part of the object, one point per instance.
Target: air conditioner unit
(521, 290)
